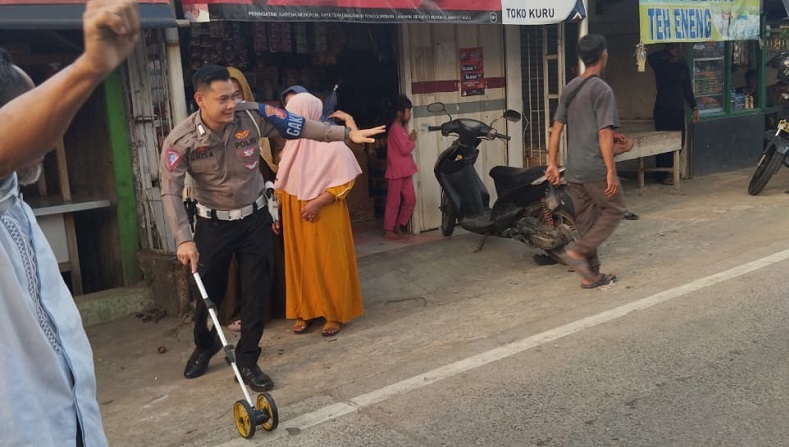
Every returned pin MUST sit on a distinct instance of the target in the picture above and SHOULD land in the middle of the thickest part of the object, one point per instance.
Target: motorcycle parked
(528, 208)
(774, 154)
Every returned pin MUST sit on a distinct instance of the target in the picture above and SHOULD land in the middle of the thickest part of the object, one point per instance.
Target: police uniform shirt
(225, 167)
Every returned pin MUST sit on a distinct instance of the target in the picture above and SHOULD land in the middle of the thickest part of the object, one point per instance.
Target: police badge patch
(172, 158)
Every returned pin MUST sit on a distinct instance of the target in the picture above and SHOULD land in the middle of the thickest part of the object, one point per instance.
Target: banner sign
(521, 12)
(65, 2)
(699, 20)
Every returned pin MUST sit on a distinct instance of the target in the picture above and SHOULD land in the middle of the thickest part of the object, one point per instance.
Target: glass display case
(708, 68)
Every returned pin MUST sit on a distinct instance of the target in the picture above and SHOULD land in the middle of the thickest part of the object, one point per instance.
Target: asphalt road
(458, 348)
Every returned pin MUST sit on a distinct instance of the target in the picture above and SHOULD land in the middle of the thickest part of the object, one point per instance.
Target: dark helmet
(781, 63)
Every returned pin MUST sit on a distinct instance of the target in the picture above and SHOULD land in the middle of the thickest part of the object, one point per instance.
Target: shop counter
(56, 219)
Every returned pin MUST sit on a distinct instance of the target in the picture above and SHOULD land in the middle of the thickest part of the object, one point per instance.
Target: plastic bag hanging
(641, 57)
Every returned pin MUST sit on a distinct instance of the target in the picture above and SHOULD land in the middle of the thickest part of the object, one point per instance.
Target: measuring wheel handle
(267, 412)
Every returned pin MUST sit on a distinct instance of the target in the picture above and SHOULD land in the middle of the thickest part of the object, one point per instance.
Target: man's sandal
(603, 280)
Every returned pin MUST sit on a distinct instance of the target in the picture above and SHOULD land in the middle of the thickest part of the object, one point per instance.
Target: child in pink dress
(400, 167)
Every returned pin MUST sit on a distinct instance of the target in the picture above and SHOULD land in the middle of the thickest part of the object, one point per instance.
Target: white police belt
(236, 214)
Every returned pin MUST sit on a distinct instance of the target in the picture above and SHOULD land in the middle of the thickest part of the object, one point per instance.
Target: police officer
(218, 147)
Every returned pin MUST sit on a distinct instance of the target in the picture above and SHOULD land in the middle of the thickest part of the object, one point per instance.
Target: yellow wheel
(266, 405)
(243, 416)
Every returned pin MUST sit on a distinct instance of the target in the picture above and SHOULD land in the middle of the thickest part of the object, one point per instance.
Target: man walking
(588, 108)
(47, 379)
(218, 147)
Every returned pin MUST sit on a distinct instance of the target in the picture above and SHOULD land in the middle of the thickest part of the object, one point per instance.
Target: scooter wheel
(266, 405)
(243, 416)
(448, 215)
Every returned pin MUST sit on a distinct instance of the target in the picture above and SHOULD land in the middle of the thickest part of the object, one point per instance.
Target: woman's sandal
(300, 326)
(330, 329)
(603, 280)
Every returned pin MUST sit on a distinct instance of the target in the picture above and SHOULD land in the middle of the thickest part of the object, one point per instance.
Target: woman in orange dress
(313, 180)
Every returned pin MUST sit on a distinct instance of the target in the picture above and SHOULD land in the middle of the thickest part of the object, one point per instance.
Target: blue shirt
(47, 379)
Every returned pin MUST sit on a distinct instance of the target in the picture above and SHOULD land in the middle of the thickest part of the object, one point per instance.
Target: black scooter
(528, 208)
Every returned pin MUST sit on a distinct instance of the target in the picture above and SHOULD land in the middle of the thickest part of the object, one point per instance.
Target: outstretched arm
(288, 125)
(31, 124)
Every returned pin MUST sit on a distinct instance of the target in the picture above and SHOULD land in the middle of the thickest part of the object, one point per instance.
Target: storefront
(721, 43)
(85, 201)
(375, 52)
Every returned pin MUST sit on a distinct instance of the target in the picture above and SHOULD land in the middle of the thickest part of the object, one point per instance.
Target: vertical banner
(472, 72)
(698, 21)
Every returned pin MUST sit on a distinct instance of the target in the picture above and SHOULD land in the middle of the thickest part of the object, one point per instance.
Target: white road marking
(357, 403)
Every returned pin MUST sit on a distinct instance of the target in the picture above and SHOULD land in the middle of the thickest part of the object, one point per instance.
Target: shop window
(726, 76)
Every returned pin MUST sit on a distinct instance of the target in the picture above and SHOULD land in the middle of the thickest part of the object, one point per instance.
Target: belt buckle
(235, 214)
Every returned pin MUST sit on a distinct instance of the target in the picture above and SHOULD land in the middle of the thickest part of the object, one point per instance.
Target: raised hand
(111, 29)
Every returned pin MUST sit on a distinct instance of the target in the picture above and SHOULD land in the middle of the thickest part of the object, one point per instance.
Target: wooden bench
(652, 143)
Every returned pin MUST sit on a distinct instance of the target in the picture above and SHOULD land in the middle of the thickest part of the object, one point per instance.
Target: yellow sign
(698, 20)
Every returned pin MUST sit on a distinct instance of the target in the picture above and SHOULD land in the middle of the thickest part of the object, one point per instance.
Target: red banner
(65, 2)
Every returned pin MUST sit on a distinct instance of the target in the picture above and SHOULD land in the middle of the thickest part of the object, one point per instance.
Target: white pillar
(512, 45)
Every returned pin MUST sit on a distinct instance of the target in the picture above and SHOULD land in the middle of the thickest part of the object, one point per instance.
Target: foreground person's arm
(32, 124)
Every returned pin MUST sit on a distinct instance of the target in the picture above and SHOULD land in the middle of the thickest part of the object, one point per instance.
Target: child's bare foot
(392, 236)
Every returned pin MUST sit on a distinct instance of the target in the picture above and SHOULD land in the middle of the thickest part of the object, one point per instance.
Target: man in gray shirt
(588, 107)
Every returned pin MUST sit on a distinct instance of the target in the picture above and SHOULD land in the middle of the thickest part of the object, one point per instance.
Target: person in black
(674, 89)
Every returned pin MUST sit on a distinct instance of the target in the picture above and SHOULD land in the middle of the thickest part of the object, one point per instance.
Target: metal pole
(176, 81)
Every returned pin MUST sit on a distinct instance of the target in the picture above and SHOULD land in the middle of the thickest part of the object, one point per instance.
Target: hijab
(308, 167)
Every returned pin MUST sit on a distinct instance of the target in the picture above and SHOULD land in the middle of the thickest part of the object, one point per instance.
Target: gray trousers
(596, 216)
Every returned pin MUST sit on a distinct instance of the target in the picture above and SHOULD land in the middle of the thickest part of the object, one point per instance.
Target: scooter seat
(506, 177)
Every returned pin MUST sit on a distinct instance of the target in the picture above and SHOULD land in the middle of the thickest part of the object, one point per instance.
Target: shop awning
(515, 12)
(67, 14)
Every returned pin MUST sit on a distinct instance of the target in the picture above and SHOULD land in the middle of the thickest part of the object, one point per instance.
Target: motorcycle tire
(768, 165)
(448, 216)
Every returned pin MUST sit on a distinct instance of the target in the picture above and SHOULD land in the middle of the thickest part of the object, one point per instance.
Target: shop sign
(541, 12)
(472, 72)
(520, 12)
(699, 20)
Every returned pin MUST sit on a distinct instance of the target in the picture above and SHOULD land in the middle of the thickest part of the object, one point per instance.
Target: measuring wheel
(244, 417)
(267, 410)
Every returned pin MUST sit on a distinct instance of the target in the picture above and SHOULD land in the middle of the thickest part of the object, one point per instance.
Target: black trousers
(666, 119)
(249, 240)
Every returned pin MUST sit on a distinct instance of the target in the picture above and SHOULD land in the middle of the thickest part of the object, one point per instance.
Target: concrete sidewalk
(409, 293)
